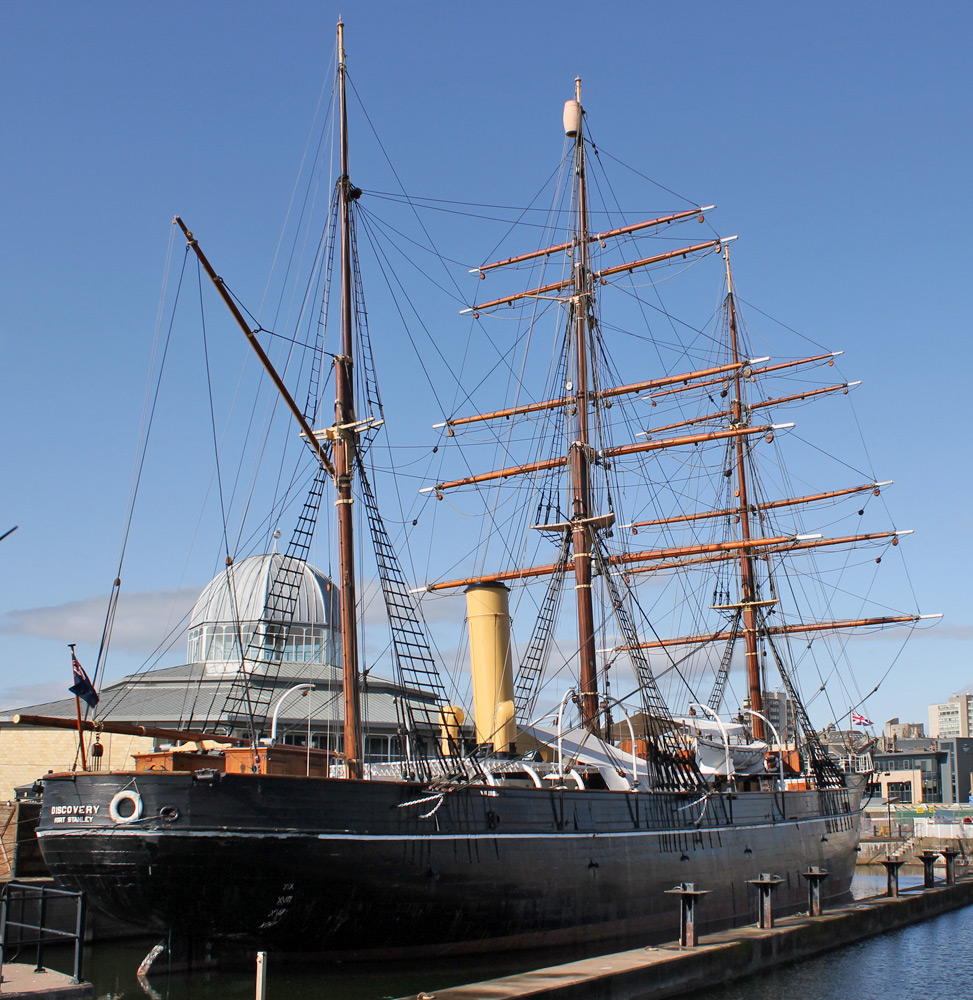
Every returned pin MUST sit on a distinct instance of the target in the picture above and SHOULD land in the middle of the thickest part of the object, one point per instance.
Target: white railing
(856, 763)
(930, 830)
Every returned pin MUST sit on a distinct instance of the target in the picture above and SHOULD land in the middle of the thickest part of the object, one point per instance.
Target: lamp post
(889, 799)
(273, 722)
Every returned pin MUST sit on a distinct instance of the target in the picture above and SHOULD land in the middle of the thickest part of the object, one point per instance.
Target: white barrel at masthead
(572, 117)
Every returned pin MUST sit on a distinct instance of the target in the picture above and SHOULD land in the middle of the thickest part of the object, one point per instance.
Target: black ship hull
(326, 865)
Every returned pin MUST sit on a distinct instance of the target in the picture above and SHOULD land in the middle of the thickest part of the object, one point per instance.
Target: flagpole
(84, 759)
(77, 707)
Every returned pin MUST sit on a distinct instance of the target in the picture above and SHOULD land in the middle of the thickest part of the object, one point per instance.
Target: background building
(895, 730)
(194, 696)
(924, 770)
(779, 709)
(951, 718)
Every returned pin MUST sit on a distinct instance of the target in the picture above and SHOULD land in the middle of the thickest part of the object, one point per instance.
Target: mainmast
(748, 589)
(345, 445)
(580, 450)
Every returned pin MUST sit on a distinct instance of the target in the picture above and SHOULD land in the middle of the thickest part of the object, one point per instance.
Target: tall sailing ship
(571, 804)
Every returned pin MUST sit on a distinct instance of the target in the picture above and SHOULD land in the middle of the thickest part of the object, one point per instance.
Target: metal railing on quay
(25, 911)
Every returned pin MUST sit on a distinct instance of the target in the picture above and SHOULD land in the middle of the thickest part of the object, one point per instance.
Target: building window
(382, 749)
(335, 742)
(901, 790)
(195, 645)
(227, 642)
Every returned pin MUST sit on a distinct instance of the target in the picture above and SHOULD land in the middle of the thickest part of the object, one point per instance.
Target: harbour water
(926, 959)
(929, 959)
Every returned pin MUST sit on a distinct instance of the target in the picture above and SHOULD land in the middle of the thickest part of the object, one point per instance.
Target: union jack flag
(860, 720)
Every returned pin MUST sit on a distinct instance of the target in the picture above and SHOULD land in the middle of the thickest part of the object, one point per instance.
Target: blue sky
(834, 137)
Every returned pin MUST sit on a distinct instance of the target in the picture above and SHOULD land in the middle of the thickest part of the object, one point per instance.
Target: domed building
(200, 695)
(230, 608)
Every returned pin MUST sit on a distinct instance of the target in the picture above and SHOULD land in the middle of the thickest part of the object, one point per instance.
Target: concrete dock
(669, 970)
(21, 980)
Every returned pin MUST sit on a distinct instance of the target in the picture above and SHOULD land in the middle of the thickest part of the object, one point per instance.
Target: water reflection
(923, 955)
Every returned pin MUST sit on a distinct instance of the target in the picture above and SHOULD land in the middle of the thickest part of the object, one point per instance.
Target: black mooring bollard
(928, 859)
(765, 886)
(815, 876)
(892, 866)
(688, 894)
(950, 855)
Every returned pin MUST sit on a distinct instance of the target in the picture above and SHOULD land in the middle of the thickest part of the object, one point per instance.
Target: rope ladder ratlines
(250, 695)
(415, 666)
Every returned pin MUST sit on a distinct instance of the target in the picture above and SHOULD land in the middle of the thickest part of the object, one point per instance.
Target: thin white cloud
(20, 695)
(433, 611)
(143, 620)
(945, 630)
(146, 620)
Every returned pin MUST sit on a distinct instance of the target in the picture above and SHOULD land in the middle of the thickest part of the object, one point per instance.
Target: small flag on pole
(82, 686)
(860, 720)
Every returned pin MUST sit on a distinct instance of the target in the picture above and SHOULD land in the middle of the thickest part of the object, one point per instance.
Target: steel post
(688, 894)
(261, 993)
(892, 866)
(79, 918)
(765, 886)
(3, 930)
(950, 855)
(928, 859)
(40, 931)
(815, 876)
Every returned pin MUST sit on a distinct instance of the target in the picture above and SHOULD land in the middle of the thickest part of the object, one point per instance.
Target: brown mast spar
(748, 587)
(345, 445)
(580, 452)
(251, 336)
(343, 435)
(126, 729)
(796, 628)
(581, 394)
(595, 238)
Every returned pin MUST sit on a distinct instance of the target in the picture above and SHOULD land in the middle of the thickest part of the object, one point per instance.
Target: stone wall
(27, 753)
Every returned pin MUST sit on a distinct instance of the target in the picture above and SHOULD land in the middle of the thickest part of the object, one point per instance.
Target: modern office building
(951, 719)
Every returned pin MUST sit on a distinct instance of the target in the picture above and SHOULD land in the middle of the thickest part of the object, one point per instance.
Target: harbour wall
(670, 970)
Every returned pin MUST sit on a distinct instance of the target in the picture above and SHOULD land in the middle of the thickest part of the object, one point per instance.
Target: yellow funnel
(488, 615)
(450, 720)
